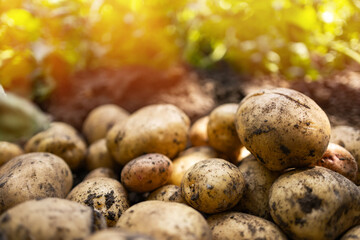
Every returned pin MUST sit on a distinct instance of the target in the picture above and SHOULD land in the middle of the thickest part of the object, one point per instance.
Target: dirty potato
(98, 156)
(167, 193)
(99, 121)
(165, 220)
(50, 218)
(118, 234)
(198, 132)
(316, 203)
(213, 185)
(236, 225)
(352, 234)
(282, 128)
(146, 173)
(33, 176)
(159, 128)
(104, 194)
(8, 151)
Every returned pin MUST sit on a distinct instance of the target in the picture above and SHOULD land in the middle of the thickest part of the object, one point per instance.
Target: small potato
(33, 176)
(167, 193)
(101, 119)
(235, 225)
(213, 185)
(62, 140)
(104, 194)
(98, 156)
(187, 159)
(282, 128)
(159, 128)
(198, 132)
(352, 234)
(118, 234)
(101, 172)
(165, 220)
(50, 218)
(146, 173)
(8, 151)
(221, 130)
(339, 160)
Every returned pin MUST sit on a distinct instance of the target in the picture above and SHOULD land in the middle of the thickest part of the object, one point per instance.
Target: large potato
(8, 151)
(213, 185)
(99, 121)
(165, 220)
(282, 128)
(160, 128)
(49, 218)
(33, 176)
(104, 194)
(235, 225)
(317, 203)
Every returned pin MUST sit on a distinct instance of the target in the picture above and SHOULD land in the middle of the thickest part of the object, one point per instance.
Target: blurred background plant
(43, 42)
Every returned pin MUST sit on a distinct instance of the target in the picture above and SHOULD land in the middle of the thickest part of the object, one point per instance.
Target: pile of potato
(270, 167)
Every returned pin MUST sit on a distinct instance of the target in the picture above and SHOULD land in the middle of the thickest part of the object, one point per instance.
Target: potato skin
(167, 193)
(104, 194)
(198, 132)
(50, 218)
(146, 173)
(33, 176)
(101, 172)
(316, 203)
(213, 185)
(98, 156)
(282, 128)
(352, 234)
(99, 121)
(117, 234)
(8, 151)
(159, 128)
(165, 220)
(236, 225)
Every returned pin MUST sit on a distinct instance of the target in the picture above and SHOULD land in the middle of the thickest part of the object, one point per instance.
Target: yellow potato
(101, 172)
(8, 151)
(198, 132)
(167, 193)
(98, 156)
(118, 234)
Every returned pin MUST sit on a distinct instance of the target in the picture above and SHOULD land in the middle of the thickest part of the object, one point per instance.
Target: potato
(349, 138)
(198, 132)
(258, 180)
(146, 173)
(160, 128)
(352, 234)
(33, 176)
(221, 130)
(104, 194)
(339, 160)
(8, 151)
(62, 140)
(187, 159)
(101, 119)
(49, 218)
(98, 156)
(165, 220)
(117, 234)
(167, 193)
(213, 185)
(101, 172)
(235, 225)
(316, 203)
(282, 128)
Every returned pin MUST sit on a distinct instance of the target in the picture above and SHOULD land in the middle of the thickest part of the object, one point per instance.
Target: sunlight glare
(327, 17)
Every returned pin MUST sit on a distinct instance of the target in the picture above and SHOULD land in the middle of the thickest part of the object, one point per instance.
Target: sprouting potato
(167, 193)
(98, 156)
(8, 151)
(198, 132)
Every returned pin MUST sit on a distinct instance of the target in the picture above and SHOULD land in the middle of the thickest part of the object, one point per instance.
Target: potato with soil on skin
(98, 156)
(213, 185)
(339, 160)
(33, 176)
(316, 203)
(8, 151)
(101, 172)
(258, 180)
(99, 121)
(50, 218)
(62, 140)
(221, 130)
(236, 225)
(146, 173)
(167, 193)
(198, 132)
(282, 128)
(159, 128)
(349, 138)
(165, 220)
(352, 234)
(188, 158)
(104, 194)
(118, 234)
